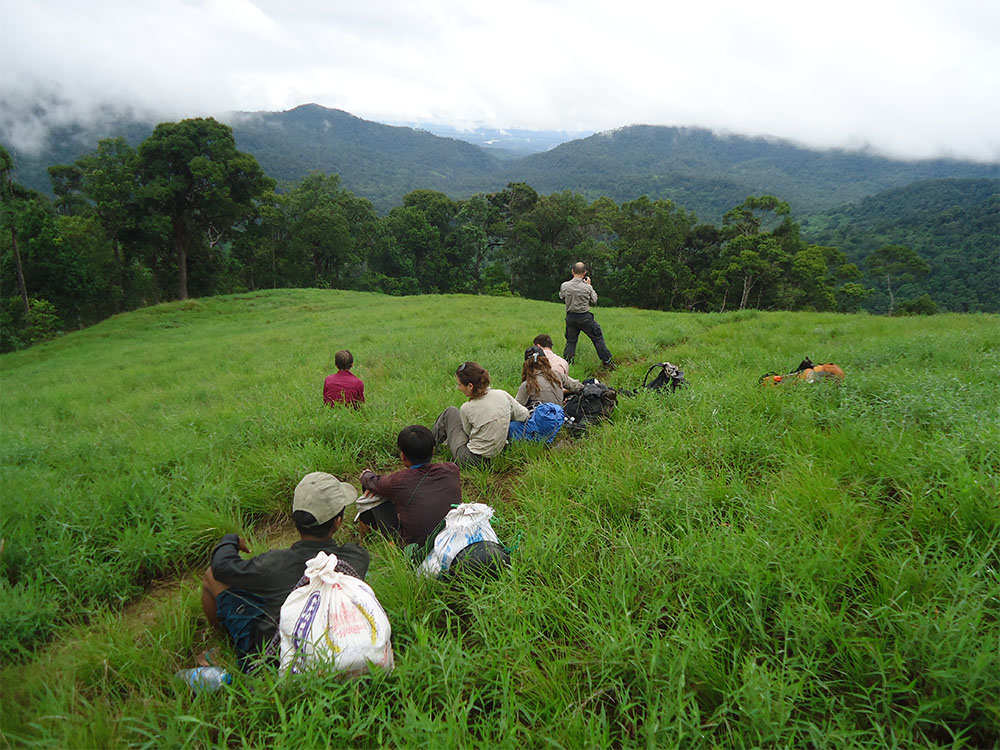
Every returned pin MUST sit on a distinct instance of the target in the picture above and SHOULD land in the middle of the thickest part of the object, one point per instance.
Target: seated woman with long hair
(478, 431)
(540, 383)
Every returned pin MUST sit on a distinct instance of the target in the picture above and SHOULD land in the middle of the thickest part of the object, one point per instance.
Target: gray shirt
(579, 295)
(547, 392)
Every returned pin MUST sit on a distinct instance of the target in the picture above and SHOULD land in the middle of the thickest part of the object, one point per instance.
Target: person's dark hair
(580, 269)
(305, 522)
(343, 359)
(536, 366)
(543, 339)
(473, 372)
(416, 442)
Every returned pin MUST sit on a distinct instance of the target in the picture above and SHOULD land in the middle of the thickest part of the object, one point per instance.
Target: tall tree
(762, 238)
(104, 184)
(416, 250)
(815, 272)
(9, 195)
(192, 174)
(651, 260)
(895, 263)
(479, 234)
(755, 215)
(320, 229)
(749, 262)
(543, 243)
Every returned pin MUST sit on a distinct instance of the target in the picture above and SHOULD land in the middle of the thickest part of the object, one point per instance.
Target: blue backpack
(543, 424)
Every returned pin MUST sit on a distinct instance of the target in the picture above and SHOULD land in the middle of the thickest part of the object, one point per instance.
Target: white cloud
(909, 78)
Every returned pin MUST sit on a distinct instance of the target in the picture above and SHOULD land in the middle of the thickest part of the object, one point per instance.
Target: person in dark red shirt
(343, 387)
(419, 496)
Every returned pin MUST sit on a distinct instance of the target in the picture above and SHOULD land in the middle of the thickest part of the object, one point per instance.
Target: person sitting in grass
(478, 431)
(559, 364)
(343, 387)
(243, 597)
(419, 496)
(540, 384)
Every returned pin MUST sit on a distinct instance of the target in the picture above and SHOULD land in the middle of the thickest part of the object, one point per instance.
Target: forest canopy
(187, 213)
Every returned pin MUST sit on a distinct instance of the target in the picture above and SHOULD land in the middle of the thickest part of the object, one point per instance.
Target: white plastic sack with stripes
(465, 524)
(335, 621)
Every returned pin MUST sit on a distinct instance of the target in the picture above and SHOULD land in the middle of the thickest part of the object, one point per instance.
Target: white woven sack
(465, 524)
(333, 621)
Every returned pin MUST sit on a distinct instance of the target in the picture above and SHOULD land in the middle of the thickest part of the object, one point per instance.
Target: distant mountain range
(380, 162)
(709, 173)
(699, 170)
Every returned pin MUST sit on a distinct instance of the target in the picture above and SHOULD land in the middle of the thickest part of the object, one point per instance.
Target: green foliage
(922, 305)
(380, 162)
(116, 237)
(325, 228)
(649, 261)
(19, 330)
(895, 263)
(53, 267)
(42, 321)
(727, 566)
(851, 296)
(193, 177)
(708, 173)
(952, 224)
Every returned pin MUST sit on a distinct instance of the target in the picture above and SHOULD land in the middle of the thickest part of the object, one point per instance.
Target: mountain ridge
(700, 170)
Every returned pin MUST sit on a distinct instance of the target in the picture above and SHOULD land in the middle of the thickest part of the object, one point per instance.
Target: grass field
(727, 566)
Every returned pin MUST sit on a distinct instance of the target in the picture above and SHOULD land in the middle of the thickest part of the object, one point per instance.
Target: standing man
(579, 296)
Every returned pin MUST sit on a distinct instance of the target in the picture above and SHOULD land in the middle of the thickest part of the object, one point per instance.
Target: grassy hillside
(726, 566)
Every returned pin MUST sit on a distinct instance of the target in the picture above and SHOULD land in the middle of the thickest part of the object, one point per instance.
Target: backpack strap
(650, 371)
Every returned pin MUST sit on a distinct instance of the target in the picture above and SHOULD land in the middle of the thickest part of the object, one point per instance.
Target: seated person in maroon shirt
(343, 386)
(419, 496)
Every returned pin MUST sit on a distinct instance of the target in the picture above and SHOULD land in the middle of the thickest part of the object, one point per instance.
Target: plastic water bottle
(205, 679)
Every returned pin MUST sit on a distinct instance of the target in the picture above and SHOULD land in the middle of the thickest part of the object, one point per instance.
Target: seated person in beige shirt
(558, 363)
(540, 383)
(478, 431)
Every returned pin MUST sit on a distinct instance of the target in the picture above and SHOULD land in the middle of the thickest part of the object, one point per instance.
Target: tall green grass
(724, 566)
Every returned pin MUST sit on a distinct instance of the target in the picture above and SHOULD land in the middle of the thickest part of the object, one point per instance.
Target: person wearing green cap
(243, 597)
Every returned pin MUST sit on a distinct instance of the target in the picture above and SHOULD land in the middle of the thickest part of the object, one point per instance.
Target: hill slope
(65, 143)
(380, 162)
(709, 174)
(725, 566)
(952, 224)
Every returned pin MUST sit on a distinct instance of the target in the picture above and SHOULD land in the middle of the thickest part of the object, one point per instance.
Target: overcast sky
(910, 78)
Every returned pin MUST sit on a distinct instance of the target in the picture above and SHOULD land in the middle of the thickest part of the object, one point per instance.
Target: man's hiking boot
(609, 365)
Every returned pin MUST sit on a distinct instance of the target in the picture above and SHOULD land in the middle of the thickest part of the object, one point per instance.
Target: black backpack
(595, 402)
(670, 376)
(479, 560)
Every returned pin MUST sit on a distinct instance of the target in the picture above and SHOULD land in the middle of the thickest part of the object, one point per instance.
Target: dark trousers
(383, 519)
(576, 322)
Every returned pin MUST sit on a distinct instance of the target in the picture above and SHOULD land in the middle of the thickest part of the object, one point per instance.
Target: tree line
(187, 214)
